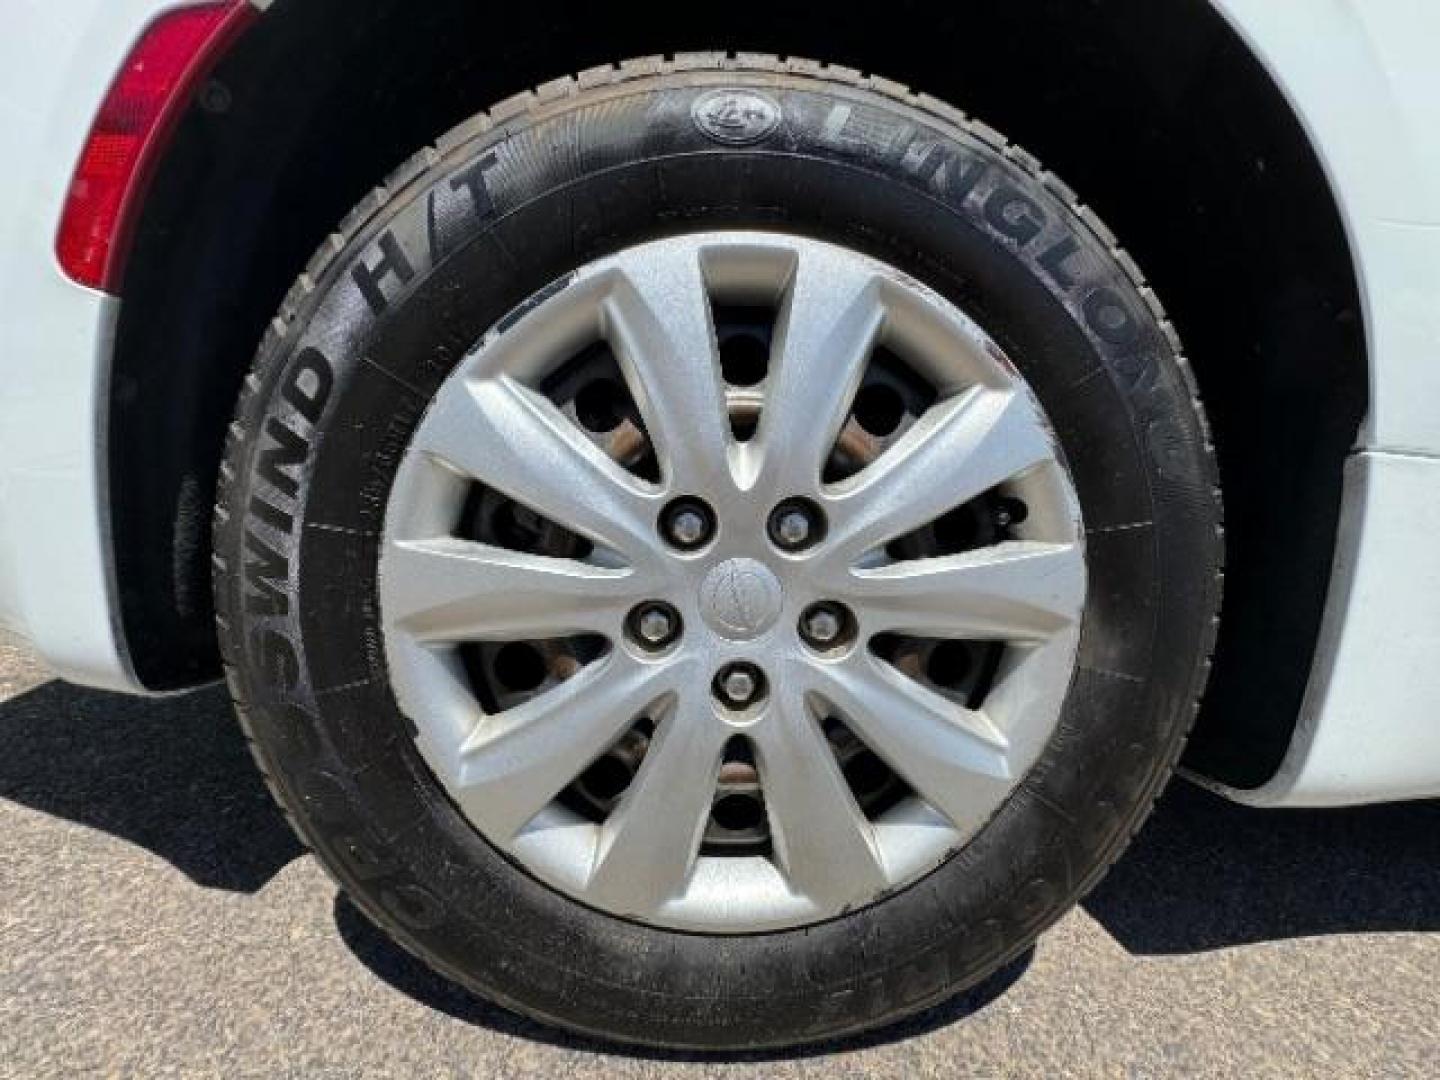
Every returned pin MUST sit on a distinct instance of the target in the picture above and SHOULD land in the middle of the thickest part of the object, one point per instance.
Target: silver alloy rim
(740, 597)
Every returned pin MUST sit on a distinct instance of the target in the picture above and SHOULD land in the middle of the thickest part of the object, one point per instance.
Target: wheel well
(1156, 113)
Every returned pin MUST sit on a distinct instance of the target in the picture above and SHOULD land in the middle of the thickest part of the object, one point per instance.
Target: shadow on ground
(1206, 873)
(174, 777)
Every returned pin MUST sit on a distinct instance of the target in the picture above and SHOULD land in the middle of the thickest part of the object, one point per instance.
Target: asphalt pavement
(157, 918)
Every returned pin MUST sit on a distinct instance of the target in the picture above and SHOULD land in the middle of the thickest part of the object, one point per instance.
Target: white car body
(1359, 74)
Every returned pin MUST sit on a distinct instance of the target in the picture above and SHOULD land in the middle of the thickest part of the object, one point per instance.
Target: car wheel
(718, 552)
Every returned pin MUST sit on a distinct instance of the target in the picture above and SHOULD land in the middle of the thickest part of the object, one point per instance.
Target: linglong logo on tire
(735, 117)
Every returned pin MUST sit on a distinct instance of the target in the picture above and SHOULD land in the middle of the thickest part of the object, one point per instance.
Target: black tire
(517, 198)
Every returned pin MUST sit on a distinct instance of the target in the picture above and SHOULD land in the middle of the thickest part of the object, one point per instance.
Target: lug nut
(739, 685)
(823, 626)
(793, 528)
(654, 625)
(687, 528)
(796, 525)
(687, 524)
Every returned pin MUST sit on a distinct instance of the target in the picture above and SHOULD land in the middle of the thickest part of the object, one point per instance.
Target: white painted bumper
(56, 61)
(1369, 730)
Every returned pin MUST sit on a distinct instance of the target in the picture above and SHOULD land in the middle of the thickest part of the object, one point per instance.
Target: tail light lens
(135, 121)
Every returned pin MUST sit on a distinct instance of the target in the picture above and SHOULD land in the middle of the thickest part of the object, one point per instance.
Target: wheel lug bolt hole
(654, 626)
(739, 686)
(827, 626)
(796, 524)
(687, 524)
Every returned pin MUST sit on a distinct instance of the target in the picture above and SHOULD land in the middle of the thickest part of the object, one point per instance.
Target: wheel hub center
(741, 599)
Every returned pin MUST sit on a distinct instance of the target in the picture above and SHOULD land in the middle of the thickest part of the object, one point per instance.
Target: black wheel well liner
(1155, 112)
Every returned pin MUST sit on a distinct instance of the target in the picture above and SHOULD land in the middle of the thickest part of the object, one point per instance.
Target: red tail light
(135, 120)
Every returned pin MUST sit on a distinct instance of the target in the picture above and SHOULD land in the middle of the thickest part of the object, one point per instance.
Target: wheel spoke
(649, 844)
(502, 433)
(823, 842)
(449, 590)
(824, 336)
(658, 314)
(953, 757)
(1016, 591)
(518, 760)
(961, 448)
